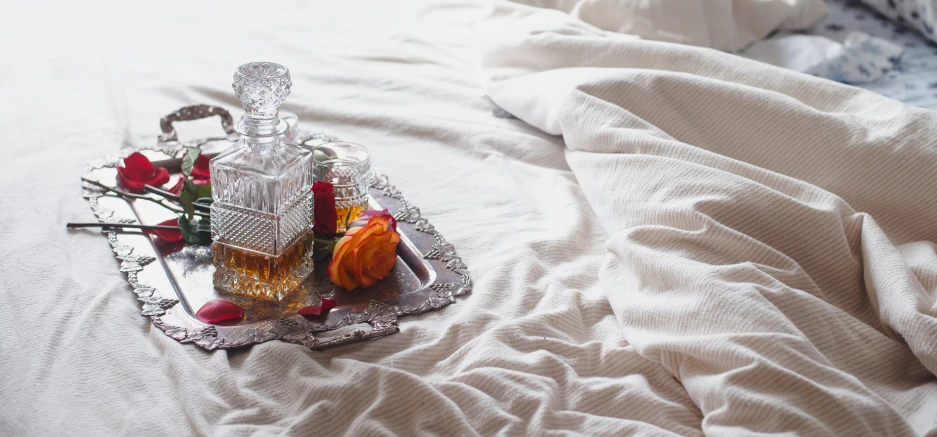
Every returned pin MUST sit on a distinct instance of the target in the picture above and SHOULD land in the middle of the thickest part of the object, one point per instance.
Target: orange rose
(365, 254)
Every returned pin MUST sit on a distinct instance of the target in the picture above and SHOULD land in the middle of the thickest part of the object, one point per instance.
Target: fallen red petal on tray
(168, 236)
(318, 310)
(218, 311)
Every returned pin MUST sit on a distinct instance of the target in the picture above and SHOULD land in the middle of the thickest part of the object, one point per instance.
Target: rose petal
(168, 236)
(218, 311)
(366, 216)
(139, 167)
(138, 171)
(160, 178)
(128, 182)
(177, 188)
(365, 254)
(318, 310)
(365, 232)
(337, 274)
(363, 241)
(325, 216)
(367, 258)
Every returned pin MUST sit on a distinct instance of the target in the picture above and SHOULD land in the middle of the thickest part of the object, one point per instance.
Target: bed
(664, 239)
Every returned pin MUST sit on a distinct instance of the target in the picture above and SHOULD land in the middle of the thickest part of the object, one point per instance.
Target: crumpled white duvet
(687, 258)
(770, 234)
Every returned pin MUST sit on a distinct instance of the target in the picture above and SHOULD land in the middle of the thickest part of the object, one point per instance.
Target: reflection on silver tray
(174, 280)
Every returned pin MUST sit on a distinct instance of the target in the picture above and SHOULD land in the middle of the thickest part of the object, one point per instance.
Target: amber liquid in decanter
(266, 269)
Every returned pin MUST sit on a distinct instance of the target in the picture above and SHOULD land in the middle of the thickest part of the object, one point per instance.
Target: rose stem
(121, 225)
(173, 197)
(140, 197)
(164, 193)
(115, 190)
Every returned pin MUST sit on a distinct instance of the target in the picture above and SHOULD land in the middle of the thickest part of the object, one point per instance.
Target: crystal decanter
(261, 217)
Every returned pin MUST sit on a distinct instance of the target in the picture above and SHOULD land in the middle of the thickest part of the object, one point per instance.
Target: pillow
(728, 25)
(917, 14)
(861, 58)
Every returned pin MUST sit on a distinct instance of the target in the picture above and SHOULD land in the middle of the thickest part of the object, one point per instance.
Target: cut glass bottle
(262, 214)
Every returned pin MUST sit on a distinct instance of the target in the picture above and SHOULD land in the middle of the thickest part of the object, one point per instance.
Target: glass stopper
(262, 87)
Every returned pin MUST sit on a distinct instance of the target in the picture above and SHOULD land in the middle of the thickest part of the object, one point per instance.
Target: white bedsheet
(537, 348)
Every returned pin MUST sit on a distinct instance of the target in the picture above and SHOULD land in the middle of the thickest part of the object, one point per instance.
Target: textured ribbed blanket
(769, 233)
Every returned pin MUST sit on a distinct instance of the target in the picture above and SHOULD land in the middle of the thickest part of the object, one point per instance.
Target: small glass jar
(347, 166)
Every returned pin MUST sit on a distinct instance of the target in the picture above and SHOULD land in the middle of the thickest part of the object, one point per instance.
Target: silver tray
(173, 280)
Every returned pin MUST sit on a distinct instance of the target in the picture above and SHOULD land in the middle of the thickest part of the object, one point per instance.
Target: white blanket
(536, 349)
(770, 233)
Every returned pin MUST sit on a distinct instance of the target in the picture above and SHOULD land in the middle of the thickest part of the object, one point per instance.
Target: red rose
(138, 171)
(200, 172)
(325, 220)
(180, 184)
(200, 175)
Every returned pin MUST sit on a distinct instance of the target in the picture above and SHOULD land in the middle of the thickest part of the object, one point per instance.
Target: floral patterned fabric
(916, 14)
(860, 59)
(863, 59)
(913, 76)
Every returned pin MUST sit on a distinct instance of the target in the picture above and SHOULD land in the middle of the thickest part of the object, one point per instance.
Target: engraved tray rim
(449, 277)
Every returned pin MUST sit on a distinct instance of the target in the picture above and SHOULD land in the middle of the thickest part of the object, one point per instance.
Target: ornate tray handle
(195, 112)
(381, 317)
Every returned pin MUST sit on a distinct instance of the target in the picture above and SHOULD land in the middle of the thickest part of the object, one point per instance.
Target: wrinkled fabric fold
(759, 222)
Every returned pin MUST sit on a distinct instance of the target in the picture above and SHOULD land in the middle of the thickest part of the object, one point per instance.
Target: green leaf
(320, 254)
(204, 191)
(186, 200)
(204, 227)
(190, 187)
(323, 249)
(188, 234)
(188, 161)
(200, 234)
